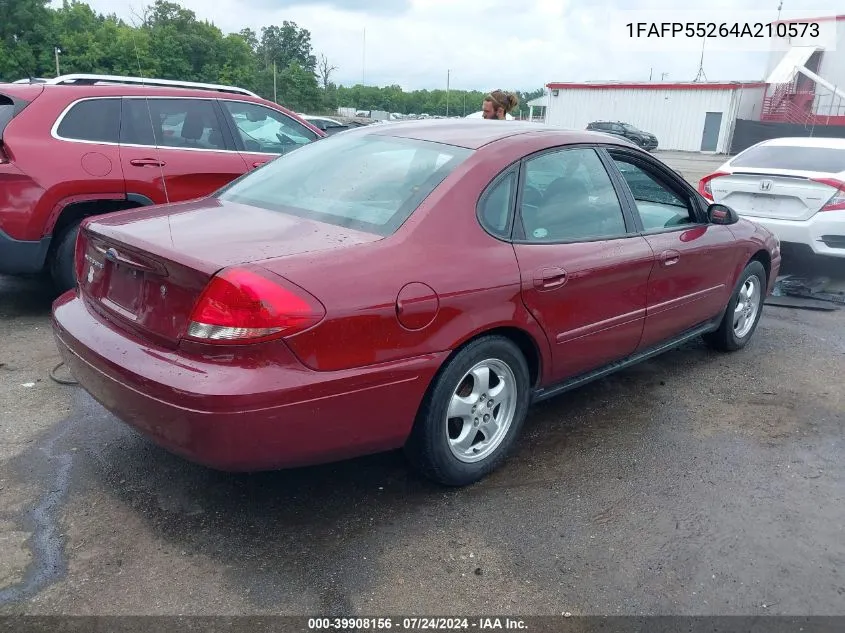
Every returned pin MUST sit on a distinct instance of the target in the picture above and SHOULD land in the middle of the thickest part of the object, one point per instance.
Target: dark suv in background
(646, 140)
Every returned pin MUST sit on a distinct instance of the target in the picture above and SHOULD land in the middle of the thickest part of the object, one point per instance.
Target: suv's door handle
(669, 258)
(146, 162)
(549, 278)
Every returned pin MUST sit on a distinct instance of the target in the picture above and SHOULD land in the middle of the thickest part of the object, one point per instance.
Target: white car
(795, 187)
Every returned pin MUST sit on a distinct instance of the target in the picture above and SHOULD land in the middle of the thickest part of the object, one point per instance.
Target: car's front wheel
(472, 414)
(743, 312)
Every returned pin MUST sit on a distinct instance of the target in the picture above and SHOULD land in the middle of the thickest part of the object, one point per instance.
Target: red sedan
(413, 285)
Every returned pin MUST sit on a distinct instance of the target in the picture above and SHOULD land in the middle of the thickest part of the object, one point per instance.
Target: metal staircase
(786, 104)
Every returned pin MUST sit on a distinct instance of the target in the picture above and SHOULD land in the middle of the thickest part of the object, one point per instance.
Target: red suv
(82, 145)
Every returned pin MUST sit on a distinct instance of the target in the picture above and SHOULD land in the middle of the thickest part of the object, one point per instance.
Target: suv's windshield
(828, 160)
(370, 183)
(630, 128)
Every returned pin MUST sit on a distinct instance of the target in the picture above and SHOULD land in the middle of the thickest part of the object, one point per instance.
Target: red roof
(824, 18)
(655, 85)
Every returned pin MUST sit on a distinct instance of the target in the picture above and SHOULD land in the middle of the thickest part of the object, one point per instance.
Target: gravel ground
(696, 483)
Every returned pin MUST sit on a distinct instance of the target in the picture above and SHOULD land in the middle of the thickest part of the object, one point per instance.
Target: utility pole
(448, 73)
(275, 97)
(57, 51)
(364, 58)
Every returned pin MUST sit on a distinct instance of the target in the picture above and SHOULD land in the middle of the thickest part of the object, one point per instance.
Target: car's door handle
(549, 278)
(259, 163)
(146, 162)
(669, 258)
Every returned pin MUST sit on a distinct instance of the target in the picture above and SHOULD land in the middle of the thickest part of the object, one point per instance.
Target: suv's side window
(568, 196)
(267, 131)
(659, 205)
(181, 123)
(95, 120)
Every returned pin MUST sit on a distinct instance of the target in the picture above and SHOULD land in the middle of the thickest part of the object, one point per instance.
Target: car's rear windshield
(791, 157)
(365, 182)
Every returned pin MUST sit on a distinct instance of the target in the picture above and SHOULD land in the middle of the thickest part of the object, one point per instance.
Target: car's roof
(475, 133)
(807, 141)
(116, 89)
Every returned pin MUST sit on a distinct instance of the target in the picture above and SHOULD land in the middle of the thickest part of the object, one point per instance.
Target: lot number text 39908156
(416, 623)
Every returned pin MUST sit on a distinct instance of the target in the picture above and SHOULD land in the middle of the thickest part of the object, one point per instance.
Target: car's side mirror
(722, 214)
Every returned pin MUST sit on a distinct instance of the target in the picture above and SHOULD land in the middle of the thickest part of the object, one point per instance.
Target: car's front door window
(569, 196)
(266, 131)
(658, 205)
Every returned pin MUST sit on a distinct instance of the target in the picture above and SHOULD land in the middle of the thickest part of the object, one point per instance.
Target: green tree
(168, 41)
(286, 45)
(26, 39)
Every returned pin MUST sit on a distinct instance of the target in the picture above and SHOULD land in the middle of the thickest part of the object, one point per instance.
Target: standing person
(498, 104)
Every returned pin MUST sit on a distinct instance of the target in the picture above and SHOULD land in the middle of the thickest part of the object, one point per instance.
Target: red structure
(794, 101)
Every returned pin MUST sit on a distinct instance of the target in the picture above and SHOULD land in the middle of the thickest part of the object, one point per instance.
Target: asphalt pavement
(696, 483)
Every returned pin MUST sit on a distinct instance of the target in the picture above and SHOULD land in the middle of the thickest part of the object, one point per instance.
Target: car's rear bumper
(245, 416)
(18, 257)
(824, 233)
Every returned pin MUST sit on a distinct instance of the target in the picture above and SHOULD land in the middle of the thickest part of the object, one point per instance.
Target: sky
(488, 44)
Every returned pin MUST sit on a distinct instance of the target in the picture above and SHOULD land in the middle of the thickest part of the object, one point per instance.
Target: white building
(537, 109)
(691, 116)
(807, 83)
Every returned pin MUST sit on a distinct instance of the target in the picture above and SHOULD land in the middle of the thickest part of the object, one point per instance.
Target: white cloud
(486, 44)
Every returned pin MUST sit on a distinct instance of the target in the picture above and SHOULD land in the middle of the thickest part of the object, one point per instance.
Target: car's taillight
(79, 253)
(242, 305)
(704, 184)
(837, 200)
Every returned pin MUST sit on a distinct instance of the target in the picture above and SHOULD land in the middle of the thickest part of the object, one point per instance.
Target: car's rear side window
(183, 123)
(827, 160)
(7, 112)
(96, 120)
(365, 182)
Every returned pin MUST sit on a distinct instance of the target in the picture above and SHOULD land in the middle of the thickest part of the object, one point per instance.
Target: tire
(729, 337)
(62, 269)
(430, 447)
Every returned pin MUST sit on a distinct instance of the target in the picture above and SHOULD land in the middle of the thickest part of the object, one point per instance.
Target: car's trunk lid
(772, 193)
(145, 269)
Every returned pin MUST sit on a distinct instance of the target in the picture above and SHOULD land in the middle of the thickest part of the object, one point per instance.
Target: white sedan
(795, 187)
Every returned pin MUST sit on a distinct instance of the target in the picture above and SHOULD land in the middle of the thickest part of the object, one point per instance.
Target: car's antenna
(150, 114)
(26, 72)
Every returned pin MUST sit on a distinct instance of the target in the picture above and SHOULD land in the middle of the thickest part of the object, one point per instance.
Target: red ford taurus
(413, 285)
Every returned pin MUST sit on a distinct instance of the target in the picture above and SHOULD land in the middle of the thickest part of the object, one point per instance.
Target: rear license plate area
(124, 289)
(762, 203)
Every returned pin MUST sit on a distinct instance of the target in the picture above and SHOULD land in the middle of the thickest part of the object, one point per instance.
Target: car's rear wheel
(743, 312)
(62, 269)
(472, 414)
